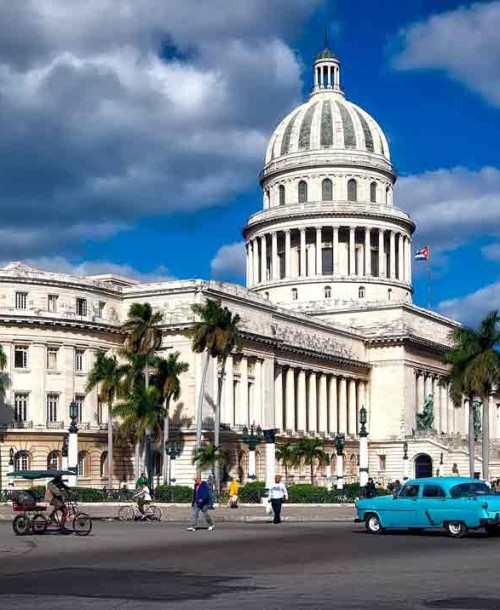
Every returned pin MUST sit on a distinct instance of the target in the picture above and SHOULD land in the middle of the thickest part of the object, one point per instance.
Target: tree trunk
(312, 473)
(472, 444)
(286, 475)
(137, 458)
(110, 446)
(486, 436)
(199, 408)
(220, 382)
(148, 461)
(165, 439)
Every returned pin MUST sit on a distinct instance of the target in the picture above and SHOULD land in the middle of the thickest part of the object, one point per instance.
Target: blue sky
(132, 140)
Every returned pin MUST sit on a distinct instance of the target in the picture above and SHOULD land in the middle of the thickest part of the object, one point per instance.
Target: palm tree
(141, 415)
(212, 335)
(209, 455)
(167, 380)
(310, 451)
(287, 455)
(108, 375)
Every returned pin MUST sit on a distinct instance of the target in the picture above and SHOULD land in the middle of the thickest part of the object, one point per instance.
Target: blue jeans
(196, 513)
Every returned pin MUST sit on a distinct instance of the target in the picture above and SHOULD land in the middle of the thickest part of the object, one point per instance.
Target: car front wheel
(456, 529)
(372, 524)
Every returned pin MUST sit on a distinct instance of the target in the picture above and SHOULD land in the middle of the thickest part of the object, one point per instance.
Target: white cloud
(470, 308)
(464, 43)
(451, 206)
(110, 114)
(491, 252)
(230, 262)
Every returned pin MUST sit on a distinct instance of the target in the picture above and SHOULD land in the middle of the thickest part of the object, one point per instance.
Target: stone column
(392, 254)
(335, 251)
(288, 254)
(400, 257)
(274, 256)
(302, 252)
(352, 419)
(278, 397)
(229, 393)
(313, 404)
(333, 405)
(263, 258)
(243, 406)
(342, 402)
(290, 399)
(381, 253)
(248, 249)
(323, 405)
(256, 267)
(301, 401)
(257, 395)
(270, 439)
(319, 252)
(352, 251)
(368, 252)
(409, 259)
(435, 396)
(443, 409)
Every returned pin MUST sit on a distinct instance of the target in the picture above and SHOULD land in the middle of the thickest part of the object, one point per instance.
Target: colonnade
(329, 250)
(447, 418)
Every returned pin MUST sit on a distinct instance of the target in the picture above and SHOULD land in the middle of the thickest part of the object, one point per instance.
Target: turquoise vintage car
(456, 504)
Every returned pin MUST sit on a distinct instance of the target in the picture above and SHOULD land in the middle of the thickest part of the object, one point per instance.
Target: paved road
(247, 566)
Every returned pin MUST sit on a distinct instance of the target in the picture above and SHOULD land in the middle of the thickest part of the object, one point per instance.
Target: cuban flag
(424, 254)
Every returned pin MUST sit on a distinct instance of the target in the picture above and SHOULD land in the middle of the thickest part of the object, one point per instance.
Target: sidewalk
(249, 513)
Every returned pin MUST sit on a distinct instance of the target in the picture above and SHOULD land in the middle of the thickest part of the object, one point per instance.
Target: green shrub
(252, 492)
(173, 493)
(305, 493)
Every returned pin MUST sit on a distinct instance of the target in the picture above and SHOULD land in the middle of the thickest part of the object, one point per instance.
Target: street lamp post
(339, 448)
(73, 443)
(64, 454)
(406, 464)
(173, 450)
(270, 439)
(12, 453)
(252, 438)
(363, 448)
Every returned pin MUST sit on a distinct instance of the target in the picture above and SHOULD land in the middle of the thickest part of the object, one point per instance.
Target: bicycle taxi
(32, 517)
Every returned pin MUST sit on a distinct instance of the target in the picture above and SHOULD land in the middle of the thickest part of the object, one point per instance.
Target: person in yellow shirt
(234, 490)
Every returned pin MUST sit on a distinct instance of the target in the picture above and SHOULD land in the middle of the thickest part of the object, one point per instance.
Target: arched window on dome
(389, 294)
(281, 194)
(266, 294)
(327, 190)
(373, 192)
(295, 294)
(302, 191)
(361, 292)
(352, 190)
(267, 199)
(387, 195)
(328, 292)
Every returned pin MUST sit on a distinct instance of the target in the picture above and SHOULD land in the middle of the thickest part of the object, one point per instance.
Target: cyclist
(57, 493)
(143, 496)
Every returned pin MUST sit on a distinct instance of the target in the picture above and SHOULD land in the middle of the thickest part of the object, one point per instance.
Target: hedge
(173, 493)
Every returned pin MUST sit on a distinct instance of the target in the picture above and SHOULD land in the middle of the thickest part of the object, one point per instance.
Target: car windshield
(470, 489)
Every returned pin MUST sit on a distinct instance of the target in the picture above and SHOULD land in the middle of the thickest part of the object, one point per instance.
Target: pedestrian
(370, 489)
(200, 502)
(211, 491)
(397, 487)
(142, 480)
(143, 497)
(234, 491)
(277, 494)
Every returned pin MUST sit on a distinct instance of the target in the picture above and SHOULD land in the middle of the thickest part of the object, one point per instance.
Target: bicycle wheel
(21, 525)
(153, 513)
(126, 513)
(82, 524)
(39, 524)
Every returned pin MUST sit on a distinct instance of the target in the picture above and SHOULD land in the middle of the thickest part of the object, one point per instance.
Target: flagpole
(429, 281)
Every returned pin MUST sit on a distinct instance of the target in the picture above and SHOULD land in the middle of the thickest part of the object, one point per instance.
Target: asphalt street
(247, 566)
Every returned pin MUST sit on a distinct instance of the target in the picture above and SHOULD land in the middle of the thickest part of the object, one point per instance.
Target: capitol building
(328, 323)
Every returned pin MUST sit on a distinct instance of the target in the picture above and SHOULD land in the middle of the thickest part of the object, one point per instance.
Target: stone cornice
(36, 321)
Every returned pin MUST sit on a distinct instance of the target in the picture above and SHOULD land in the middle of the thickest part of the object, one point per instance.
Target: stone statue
(476, 405)
(425, 419)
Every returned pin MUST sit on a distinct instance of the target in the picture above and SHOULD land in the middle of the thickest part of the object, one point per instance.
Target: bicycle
(82, 523)
(131, 512)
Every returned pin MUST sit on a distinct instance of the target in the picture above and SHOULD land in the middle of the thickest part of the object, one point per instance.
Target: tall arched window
(302, 191)
(266, 294)
(373, 192)
(327, 190)
(83, 464)
(328, 292)
(387, 194)
(295, 294)
(103, 464)
(281, 193)
(389, 294)
(54, 460)
(361, 292)
(22, 461)
(352, 190)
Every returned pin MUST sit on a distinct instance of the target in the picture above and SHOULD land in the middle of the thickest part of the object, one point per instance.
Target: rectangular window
(21, 300)
(52, 402)
(81, 307)
(326, 257)
(102, 305)
(79, 398)
(21, 406)
(381, 462)
(21, 357)
(79, 359)
(52, 303)
(52, 358)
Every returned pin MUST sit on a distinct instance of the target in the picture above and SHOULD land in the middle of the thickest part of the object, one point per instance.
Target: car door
(403, 510)
(432, 506)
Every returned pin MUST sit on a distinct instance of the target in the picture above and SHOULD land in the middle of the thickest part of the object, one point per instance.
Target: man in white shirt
(277, 494)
